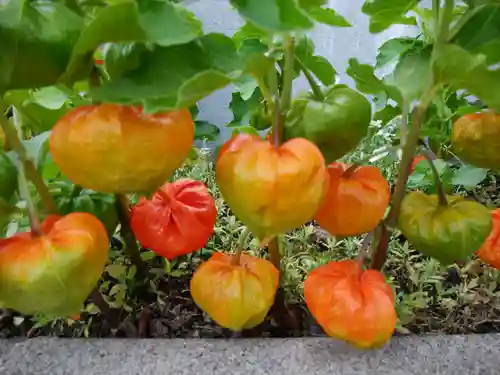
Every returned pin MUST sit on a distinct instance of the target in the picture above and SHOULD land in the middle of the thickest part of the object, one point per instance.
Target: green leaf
(412, 73)
(252, 51)
(481, 32)
(318, 65)
(274, 15)
(116, 271)
(50, 97)
(245, 129)
(384, 13)
(37, 38)
(156, 21)
(250, 31)
(34, 115)
(323, 15)
(246, 86)
(386, 114)
(368, 83)
(122, 57)
(207, 131)
(469, 176)
(393, 49)
(463, 70)
(176, 76)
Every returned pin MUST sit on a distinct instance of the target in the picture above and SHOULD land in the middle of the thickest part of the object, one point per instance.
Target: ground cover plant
(320, 206)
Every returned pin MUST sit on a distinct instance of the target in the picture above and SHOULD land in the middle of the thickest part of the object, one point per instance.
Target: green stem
(463, 20)
(122, 208)
(240, 246)
(384, 151)
(266, 93)
(318, 94)
(437, 181)
(31, 173)
(25, 194)
(282, 105)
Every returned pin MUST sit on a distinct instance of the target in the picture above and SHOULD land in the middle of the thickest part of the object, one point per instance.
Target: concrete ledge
(418, 355)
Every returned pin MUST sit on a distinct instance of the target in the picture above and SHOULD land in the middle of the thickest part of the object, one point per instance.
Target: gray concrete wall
(336, 44)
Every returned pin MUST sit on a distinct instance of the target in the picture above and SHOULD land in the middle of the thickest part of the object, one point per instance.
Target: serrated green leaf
(386, 114)
(393, 49)
(318, 65)
(469, 176)
(463, 70)
(155, 21)
(50, 97)
(274, 15)
(207, 131)
(35, 116)
(37, 38)
(177, 76)
(481, 32)
(328, 16)
(368, 83)
(384, 13)
(412, 73)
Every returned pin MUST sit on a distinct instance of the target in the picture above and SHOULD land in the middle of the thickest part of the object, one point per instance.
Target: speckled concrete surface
(432, 355)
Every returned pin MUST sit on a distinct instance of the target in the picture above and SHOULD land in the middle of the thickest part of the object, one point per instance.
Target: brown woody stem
(364, 247)
(437, 181)
(122, 208)
(274, 252)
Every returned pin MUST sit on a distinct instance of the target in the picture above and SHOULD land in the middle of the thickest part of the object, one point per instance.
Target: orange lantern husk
(235, 296)
(351, 304)
(355, 201)
(489, 251)
(178, 220)
(53, 273)
(119, 149)
(271, 189)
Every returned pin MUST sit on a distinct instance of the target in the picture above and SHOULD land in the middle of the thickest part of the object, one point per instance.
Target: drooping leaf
(384, 13)
(37, 117)
(274, 15)
(121, 57)
(318, 65)
(464, 70)
(50, 97)
(386, 114)
(481, 32)
(328, 16)
(176, 76)
(156, 21)
(36, 42)
(412, 73)
(393, 49)
(206, 131)
(253, 52)
(368, 83)
(469, 176)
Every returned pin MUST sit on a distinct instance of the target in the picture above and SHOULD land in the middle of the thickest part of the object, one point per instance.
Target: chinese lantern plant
(355, 202)
(447, 228)
(236, 291)
(178, 220)
(119, 149)
(351, 304)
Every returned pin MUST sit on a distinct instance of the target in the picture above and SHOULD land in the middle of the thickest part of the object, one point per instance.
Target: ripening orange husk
(489, 251)
(119, 149)
(355, 202)
(235, 296)
(271, 190)
(351, 304)
(53, 274)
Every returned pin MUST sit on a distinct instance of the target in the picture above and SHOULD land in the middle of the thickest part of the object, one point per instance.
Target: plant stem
(30, 170)
(318, 94)
(24, 191)
(282, 105)
(364, 247)
(274, 252)
(437, 181)
(240, 246)
(122, 208)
